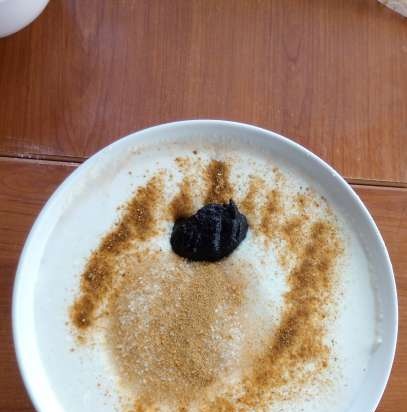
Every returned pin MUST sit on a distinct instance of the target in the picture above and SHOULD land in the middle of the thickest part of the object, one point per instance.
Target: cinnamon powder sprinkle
(219, 189)
(271, 212)
(173, 351)
(299, 340)
(302, 201)
(249, 202)
(138, 222)
(219, 405)
(182, 204)
(140, 212)
(292, 230)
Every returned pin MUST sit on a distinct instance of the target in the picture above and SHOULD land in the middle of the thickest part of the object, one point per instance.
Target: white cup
(16, 14)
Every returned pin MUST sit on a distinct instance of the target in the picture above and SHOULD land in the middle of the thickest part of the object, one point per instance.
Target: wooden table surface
(331, 75)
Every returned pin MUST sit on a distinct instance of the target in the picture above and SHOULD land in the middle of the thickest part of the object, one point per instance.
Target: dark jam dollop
(212, 233)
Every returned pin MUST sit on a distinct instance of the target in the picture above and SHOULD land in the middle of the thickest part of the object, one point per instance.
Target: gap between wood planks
(77, 161)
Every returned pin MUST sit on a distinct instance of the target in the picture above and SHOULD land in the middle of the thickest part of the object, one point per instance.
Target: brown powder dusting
(140, 216)
(302, 201)
(219, 405)
(299, 340)
(82, 312)
(182, 204)
(184, 164)
(95, 283)
(173, 352)
(142, 405)
(271, 213)
(219, 189)
(138, 222)
(249, 203)
(292, 230)
(114, 241)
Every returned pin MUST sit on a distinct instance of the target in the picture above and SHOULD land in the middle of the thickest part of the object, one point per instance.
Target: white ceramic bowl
(16, 14)
(41, 288)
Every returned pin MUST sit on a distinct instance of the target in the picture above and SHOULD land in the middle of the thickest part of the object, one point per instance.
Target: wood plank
(330, 74)
(25, 186)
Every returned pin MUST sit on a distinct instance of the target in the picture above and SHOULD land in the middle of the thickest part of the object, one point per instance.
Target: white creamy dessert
(287, 322)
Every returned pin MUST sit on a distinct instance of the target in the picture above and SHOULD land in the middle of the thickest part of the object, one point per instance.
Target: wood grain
(330, 74)
(25, 186)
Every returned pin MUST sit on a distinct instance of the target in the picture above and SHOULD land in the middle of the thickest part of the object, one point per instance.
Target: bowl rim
(39, 401)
